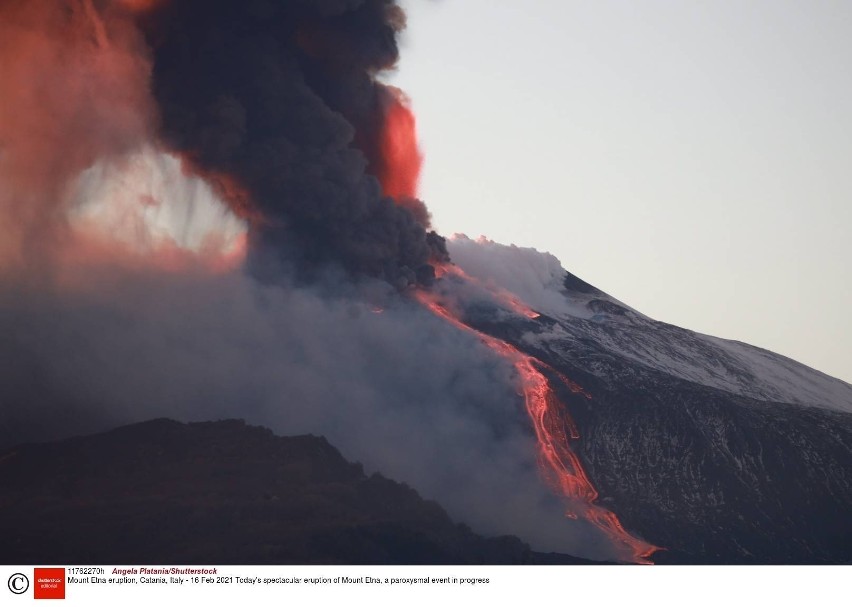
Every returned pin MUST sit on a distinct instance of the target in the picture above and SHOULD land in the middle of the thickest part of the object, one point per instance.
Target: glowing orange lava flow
(554, 429)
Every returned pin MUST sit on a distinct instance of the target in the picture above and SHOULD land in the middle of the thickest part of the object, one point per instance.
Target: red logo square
(49, 583)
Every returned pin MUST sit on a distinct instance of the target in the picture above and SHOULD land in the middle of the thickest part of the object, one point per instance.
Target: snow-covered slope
(584, 313)
(716, 450)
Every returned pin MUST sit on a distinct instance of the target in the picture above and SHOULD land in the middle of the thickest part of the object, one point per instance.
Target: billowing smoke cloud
(282, 96)
(276, 104)
(141, 143)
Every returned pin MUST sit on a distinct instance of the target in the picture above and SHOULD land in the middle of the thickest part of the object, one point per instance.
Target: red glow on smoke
(554, 428)
(90, 259)
(400, 160)
(228, 259)
(401, 173)
(74, 89)
(140, 6)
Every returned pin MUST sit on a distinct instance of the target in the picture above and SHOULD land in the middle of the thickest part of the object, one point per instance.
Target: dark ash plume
(281, 96)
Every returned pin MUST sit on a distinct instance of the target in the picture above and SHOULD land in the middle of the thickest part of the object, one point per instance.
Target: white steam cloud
(146, 200)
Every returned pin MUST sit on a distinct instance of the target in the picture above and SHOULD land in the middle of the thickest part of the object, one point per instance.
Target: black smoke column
(277, 103)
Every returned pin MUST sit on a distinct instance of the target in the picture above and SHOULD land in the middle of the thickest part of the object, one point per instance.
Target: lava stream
(554, 429)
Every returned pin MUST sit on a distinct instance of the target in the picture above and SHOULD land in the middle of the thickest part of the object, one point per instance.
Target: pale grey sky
(690, 158)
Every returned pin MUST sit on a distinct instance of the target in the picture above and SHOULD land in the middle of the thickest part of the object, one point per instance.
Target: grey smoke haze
(401, 391)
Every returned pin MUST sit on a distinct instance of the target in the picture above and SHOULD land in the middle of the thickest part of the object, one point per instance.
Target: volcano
(209, 210)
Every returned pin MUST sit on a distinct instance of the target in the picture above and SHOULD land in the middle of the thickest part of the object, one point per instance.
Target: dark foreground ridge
(222, 492)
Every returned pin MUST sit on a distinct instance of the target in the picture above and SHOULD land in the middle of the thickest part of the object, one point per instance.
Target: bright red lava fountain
(400, 155)
(554, 428)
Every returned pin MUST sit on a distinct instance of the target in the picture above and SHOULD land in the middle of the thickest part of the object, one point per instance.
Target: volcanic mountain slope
(222, 492)
(718, 451)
